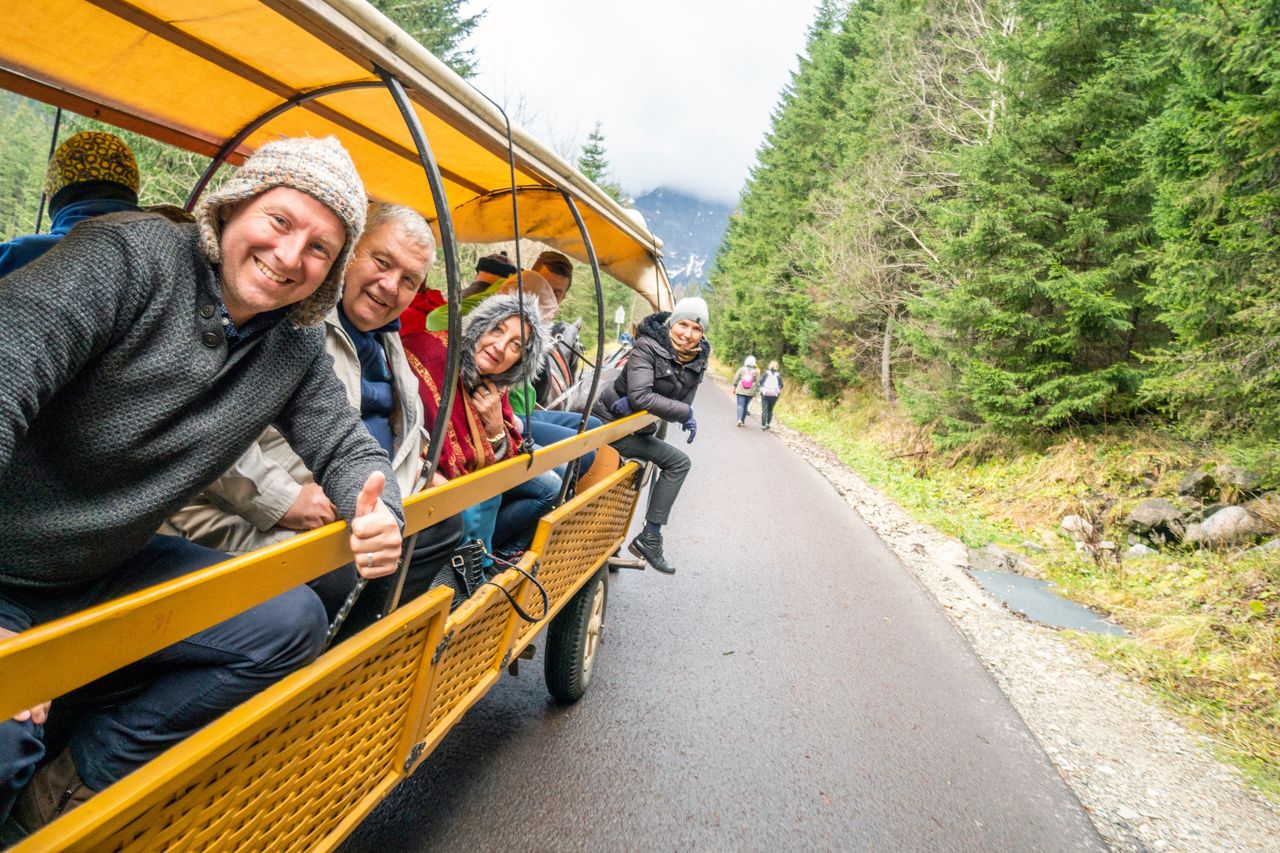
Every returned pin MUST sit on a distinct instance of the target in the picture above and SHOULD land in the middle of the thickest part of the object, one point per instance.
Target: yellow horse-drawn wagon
(299, 765)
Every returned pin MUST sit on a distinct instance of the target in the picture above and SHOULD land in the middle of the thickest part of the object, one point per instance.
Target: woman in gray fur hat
(498, 351)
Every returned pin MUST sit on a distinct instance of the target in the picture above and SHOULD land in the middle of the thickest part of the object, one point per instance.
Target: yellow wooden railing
(133, 627)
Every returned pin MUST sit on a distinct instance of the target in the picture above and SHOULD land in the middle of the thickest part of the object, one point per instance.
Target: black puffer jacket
(653, 378)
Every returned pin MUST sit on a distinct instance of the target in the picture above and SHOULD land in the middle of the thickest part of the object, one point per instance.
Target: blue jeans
(744, 403)
(123, 720)
(547, 428)
(479, 521)
(521, 508)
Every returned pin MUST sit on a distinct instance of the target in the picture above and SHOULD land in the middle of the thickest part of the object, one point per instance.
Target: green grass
(847, 432)
(1204, 626)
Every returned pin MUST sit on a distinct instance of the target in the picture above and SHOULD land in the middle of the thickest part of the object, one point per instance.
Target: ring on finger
(368, 560)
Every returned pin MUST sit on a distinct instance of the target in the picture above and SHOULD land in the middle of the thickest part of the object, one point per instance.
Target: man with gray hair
(139, 358)
(269, 494)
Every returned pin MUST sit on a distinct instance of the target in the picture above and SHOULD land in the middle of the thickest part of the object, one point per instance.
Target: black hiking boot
(648, 547)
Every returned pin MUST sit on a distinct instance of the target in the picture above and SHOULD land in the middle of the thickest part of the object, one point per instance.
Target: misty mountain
(690, 228)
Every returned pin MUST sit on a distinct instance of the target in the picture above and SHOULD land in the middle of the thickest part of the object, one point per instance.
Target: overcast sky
(683, 88)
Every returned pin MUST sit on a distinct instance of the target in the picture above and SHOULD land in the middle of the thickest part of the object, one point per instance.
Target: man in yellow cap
(90, 174)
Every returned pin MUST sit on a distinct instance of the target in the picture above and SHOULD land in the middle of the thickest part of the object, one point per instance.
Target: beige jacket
(239, 511)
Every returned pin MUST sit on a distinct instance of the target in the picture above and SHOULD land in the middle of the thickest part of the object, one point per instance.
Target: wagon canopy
(193, 73)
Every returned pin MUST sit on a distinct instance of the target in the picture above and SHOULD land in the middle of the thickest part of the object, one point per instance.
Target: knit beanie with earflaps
(322, 169)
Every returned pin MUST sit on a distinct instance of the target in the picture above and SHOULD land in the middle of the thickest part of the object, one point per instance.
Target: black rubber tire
(573, 641)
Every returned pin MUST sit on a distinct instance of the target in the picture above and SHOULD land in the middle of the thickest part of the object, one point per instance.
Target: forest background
(1023, 216)
(1021, 260)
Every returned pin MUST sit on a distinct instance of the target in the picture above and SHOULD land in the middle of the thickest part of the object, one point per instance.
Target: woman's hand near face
(488, 402)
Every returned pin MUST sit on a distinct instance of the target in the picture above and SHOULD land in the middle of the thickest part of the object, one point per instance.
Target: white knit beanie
(321, 168)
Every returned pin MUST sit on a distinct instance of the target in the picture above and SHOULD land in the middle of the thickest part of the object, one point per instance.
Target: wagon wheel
(573, 641)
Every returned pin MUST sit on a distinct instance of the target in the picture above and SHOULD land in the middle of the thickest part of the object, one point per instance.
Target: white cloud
(684, 89)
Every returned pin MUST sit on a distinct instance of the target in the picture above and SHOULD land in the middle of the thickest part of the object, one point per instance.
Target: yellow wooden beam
(427, 508)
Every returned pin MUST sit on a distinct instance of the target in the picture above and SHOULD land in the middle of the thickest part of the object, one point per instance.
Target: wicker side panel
(478, 635)
(579, 540)
(295, 780)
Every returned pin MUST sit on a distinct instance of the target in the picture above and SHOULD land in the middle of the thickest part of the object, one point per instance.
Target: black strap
(546, 601)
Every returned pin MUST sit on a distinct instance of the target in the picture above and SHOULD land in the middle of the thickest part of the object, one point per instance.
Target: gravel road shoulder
(1147, 781)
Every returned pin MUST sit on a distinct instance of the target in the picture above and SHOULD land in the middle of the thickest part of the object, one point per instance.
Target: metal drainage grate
(1033, 599)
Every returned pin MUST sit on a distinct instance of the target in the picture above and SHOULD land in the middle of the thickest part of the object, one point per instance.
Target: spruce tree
(1214, 154)
(439, 26)
(918, 90)
(25, 127)
(1044, 315)
(593, 161)
(758, 286)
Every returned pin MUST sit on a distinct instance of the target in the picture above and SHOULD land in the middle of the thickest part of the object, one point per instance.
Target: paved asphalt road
(791, 687)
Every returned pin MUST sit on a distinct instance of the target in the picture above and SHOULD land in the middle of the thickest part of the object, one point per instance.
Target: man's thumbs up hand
(375, 533)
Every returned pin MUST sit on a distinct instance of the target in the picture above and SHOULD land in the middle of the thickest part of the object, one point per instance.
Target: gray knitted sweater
(119, 401)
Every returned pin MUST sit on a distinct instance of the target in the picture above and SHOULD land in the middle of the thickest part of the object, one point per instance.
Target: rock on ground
(1147, 782)
(1078, 526)
(1228, 526)
(1197, 484)
(1241, 480)
(993, 558)
(1156, 516)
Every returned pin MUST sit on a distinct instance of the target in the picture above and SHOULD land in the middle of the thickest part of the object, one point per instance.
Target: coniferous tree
(1029, 220)
(759, 294)
(439, 26)
(1214, 154)
(1045, 314)
(593, 161)
(25, 127)
(918, 90)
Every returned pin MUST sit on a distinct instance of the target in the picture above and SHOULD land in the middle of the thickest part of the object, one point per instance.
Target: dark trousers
(431, 552)
(123, 720)
(674, 465)
(744, 406)
(546, 428)
(766, 409)
(520, 510)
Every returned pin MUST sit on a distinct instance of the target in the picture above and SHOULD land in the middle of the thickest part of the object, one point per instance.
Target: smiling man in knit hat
(138, 359)
(91, 174)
